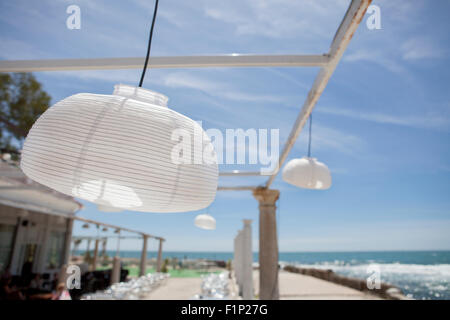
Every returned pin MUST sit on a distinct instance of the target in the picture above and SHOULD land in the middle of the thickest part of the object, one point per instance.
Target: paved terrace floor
(295, 286)
(292, 287)
(176, 289)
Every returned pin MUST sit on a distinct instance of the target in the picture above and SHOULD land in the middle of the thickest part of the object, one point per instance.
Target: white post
(236, 259)
(247, 261)
(239, 261)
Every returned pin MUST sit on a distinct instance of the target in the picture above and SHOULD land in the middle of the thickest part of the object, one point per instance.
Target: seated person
(8, 291)
(61, 293)
(36, 282)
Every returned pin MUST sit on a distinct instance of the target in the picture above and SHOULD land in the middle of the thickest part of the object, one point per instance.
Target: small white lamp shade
(104, 208)
(117, 151)
(205, 221)
(307, 173)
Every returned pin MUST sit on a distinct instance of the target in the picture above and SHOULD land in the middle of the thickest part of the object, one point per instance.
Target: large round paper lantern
(205, 221)
(307, 173)
(119, 151)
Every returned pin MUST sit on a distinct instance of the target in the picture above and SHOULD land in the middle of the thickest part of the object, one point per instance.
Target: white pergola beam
(236, 188)
(232, 60)
(344, 34)
(327, 62)
(239, 173)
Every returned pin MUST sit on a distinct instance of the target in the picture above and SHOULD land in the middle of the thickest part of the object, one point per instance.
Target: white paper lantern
(307, 173)
(205, 221)
(116, 150)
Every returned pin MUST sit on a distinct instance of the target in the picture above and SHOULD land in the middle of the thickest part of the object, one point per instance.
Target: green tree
(22, 101)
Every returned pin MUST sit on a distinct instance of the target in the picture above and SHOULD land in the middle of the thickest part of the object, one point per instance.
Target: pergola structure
(17, 191)
(140, 235)
(268, 244)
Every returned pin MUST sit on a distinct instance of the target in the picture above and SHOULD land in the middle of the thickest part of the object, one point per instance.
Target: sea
(419, 274)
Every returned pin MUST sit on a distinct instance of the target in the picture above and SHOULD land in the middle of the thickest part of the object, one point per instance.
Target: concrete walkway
(295, 286)
(176, 289)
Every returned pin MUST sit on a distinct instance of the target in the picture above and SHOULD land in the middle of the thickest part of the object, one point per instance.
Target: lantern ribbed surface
(116, 151)
(205, 221)
(307, 173)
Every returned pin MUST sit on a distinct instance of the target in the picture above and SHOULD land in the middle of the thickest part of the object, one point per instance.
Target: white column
(239, 265)
(236, 262)
(235, 257)
(247, 261)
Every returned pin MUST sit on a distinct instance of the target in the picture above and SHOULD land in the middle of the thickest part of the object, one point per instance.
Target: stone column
(238, 261)
(247, 261)
(235, 258)
(159, 260)
(143, 266)
(268, 244)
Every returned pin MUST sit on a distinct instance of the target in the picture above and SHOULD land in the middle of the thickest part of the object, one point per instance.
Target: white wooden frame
(327, 63)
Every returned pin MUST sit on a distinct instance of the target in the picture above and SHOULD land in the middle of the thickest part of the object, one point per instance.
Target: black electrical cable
(309, 143)
(149, 44)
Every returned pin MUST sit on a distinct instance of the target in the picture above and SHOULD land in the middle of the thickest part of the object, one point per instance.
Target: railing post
(94, 260)
(159, 260)
(143, 266)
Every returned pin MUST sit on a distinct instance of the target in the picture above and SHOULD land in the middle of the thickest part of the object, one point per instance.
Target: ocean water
(419, 274)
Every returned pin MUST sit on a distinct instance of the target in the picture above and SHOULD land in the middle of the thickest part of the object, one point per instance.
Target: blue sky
(382, 125)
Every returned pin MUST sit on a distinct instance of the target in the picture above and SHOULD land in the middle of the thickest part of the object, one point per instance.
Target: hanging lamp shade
(205, 221)
(115, 150)
(307, 173)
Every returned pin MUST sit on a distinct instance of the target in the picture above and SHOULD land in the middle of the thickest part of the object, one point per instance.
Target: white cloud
(278, 18)
(326, 138)
(385, 59)
(216, 88)
(403, 39)
(426, 120)
(421, 48)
